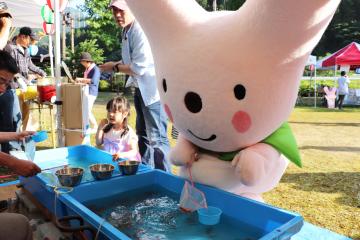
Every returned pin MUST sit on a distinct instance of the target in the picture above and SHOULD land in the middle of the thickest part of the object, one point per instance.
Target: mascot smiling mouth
(211, 138)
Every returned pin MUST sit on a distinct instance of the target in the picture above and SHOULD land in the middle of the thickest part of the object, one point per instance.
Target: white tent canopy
(311, 60)
(26, 12)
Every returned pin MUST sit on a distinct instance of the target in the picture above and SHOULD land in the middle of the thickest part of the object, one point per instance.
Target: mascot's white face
(220, 100)
(229, 79)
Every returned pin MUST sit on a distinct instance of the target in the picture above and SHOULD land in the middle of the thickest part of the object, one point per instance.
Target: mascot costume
(229, 80)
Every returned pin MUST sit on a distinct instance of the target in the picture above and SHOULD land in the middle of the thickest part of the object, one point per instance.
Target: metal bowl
(69, 177)
(102, 171)
(128, 167)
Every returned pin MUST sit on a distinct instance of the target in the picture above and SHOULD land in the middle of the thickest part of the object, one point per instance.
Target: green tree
(232, 4)
(343, 29)
(221, 4)
(101, 26)
(73, 60)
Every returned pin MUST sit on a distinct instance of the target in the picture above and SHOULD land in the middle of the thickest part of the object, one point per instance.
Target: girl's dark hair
(118, 104)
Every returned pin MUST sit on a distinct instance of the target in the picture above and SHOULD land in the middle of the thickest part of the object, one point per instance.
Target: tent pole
(335, 73)
(315, 90)
(58, 73)
(51, 55)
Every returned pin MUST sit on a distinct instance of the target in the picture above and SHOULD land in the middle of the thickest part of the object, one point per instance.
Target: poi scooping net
(191, 198)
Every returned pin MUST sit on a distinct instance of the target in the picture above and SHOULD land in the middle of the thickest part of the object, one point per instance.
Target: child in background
(114, 134)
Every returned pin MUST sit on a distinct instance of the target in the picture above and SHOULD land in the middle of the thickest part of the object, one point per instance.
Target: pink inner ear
(241, 121)
(168, 112)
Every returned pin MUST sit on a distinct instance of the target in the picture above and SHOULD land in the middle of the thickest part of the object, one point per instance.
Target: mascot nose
(193, 102)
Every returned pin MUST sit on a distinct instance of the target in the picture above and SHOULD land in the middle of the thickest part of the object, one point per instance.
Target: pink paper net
(191, 198)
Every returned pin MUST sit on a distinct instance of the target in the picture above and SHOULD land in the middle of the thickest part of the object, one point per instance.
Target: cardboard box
(74, 97)
(75, 137)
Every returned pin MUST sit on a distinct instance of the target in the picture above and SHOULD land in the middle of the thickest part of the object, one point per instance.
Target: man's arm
(116, 67)
(22, 167)
(35, 69)
(14, 136)
(120, 67)
(141, 57)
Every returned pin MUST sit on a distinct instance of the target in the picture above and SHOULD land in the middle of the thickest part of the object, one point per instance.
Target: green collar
(282, 140)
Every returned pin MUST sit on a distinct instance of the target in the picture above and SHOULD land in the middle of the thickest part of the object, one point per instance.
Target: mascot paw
(249, 166)
(184, 153)
(183, 158)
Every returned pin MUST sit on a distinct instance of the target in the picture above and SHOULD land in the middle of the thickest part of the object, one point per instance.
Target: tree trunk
(214, 5)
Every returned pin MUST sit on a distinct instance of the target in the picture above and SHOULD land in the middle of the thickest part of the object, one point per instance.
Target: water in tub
(153, 213)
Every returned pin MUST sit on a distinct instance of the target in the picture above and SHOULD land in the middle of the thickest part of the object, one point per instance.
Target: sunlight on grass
(326, 190)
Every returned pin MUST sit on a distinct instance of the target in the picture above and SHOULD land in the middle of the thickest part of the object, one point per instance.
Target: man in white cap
(138, 63)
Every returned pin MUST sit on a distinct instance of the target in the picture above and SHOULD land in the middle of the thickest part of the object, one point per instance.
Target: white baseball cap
(120, 4)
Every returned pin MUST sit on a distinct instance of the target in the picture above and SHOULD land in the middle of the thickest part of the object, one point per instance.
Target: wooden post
(63, 37)
(72, 34)
(214, 5)
(58, 75)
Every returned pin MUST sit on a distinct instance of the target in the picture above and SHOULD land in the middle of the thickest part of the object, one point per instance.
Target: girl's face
(116, 117)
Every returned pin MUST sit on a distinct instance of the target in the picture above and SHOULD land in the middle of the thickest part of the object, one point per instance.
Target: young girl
(114, 134)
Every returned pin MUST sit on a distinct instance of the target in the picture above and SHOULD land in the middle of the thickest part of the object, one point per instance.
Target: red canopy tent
(349, 55)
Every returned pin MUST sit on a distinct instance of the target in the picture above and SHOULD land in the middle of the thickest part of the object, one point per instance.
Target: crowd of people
(148, 143)
(137, 63)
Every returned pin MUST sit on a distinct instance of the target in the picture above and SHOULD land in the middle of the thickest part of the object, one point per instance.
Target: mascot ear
(166, 19)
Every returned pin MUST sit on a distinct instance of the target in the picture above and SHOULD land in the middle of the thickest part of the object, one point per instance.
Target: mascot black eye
(239, 91)
(164, 84)
(193, 102)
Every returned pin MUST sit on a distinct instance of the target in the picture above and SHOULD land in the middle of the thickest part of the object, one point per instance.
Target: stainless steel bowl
(129, 167)
(102, 171)
(69, 177)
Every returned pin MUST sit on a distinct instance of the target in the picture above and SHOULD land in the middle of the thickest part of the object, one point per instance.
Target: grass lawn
(326, 191)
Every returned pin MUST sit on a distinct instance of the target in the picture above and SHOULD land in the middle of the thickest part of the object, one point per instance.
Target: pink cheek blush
(168, 112)
(241, 121)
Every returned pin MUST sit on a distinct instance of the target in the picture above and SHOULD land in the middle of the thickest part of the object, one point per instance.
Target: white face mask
(33, 49)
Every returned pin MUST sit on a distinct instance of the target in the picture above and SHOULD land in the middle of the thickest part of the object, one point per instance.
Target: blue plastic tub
(210, 215)
(41, 186)
(261, 221)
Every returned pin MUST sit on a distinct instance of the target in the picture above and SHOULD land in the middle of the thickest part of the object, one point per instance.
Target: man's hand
(107, 67)
(22, 135)
(24, 168)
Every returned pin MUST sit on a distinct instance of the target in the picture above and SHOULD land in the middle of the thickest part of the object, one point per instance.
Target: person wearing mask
(21, 53)
(137, 62)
